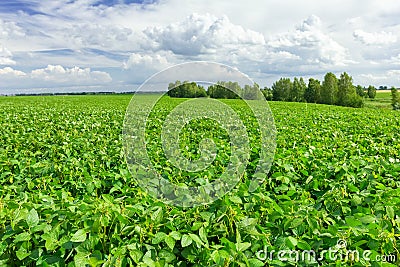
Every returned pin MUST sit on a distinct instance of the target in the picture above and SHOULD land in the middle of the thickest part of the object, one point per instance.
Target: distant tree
(356, 101)
(172, 92)
(298, 90)
(383, 87)
(313, 91)
(329, 89)
(371, 92)
(360, 90)
(234, 88)
(395, 98)
(281, 90)
(200, 91)
(347, 92)
(252, 92)
(267, 93)
(217, 91)
(186, 89)
(227, 90)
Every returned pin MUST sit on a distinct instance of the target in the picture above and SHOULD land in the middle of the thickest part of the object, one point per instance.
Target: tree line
(222, 89)
(331, 91)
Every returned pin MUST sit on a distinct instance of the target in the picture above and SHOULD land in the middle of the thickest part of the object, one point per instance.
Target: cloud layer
(90, 42)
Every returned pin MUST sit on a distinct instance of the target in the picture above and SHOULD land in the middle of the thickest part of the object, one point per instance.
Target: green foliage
(371, 92)
(347, 95)
(329, 89)
(67, 198)
(232, 90)
(345, 89)
(282, 90)
(252, 92)
(360, 91)
(395, 98)
(225, 90)
(313, 91)
(186, 90)
(298, 90)
(267, 92)
(332, 91)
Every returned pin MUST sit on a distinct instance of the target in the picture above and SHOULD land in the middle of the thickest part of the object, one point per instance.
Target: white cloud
(374, 77)
(199, 34)
(9, 29)
(75, 75)
(6, 56)
(375, 38)
(147, 61)
(210, 38)
(310, 42)
(394, 60)
(394, 73)
(98, 36)
(8, 72)
(388, 75)
(54, 75)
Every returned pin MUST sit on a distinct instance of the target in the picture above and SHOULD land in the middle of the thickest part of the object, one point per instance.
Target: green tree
(298, 90)
(371, 92)
(172, 91)
(347, 92)
(313, 91)
(267, 93)
(281, 89)
(395, 98)
(360, 90)
(227, 90)
(329, 89)
(252, 92)
(186, 89)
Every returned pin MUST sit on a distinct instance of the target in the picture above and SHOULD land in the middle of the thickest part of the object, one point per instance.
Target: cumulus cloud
(6, 56)
(375, 38)
(199, 34)
(9, 72)
(9, 29)
(75, 75)
(54, 75)
(207, 37)
(309, 41)
(148, 61)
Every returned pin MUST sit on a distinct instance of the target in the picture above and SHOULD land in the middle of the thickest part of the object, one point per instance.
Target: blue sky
(103, 44)
(33, 7)
(9, 6)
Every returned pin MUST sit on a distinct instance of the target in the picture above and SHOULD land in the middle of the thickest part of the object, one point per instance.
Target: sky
(97, 45)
